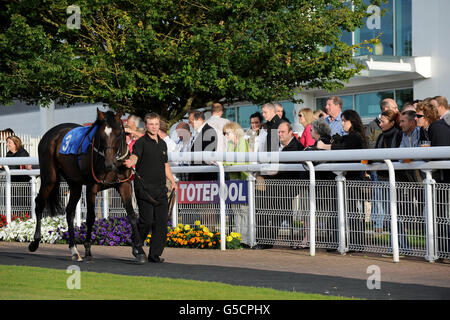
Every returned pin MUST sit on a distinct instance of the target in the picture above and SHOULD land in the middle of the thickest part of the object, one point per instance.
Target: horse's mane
(110, 118)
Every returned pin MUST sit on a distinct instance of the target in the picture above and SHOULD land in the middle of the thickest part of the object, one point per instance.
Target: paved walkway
(278, 268)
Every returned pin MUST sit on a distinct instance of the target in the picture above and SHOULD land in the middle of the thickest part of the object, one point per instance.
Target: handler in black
(150, 157)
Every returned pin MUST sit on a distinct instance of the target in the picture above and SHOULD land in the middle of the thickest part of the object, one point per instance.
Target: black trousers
(153, 217)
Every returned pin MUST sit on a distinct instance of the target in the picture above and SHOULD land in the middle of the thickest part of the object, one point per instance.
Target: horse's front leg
(126, 193)
(75, 195)
(91, 195)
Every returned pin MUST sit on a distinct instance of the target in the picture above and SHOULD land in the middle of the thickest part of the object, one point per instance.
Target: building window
(230, 113)
(377, 25)
(367, 104)
(394, 27)
(244, 114)
(403, 29)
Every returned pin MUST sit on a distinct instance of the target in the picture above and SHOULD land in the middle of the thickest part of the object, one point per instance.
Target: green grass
(32, 283)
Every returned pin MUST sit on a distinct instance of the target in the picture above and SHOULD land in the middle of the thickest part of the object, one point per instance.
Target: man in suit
(271, 126)
(278, 199)
(204, 139)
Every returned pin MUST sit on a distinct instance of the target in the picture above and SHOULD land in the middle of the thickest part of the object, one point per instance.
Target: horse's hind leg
(75, 195)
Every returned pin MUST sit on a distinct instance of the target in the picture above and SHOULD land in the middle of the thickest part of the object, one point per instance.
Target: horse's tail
(54, 200)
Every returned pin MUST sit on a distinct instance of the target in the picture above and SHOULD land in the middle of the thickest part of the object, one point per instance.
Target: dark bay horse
(99, 169)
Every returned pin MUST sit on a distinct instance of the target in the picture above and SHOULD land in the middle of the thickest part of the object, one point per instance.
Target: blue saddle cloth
(76, 140)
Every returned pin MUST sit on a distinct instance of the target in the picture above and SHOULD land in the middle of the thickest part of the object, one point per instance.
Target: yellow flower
(235, 235)
(205, 230)
(187, 227)
(197, 223)
(229, 238)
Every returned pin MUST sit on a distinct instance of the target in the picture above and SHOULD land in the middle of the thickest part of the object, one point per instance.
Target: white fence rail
(386, 217)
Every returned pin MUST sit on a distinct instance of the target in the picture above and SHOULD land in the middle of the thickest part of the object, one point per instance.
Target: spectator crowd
(420, 123)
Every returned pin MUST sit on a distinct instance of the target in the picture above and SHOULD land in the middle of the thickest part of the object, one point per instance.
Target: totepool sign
(234, 192)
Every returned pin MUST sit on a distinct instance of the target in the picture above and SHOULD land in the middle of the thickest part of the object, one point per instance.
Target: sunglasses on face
(300, 115)
(419, 115)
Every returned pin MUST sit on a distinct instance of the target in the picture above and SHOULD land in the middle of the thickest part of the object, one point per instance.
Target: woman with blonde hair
(15, 149)
(234, 135)
(306, 117)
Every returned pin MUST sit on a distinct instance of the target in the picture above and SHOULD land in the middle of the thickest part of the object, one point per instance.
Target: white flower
(23, 231)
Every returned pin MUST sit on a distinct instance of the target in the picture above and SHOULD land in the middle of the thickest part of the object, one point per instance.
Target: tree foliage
(172, 55)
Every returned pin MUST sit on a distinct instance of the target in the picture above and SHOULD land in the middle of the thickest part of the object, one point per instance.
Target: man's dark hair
(411, 114)
(198, 115)
(257, 115)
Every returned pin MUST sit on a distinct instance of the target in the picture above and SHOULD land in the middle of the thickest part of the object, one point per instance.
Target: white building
(412, 62)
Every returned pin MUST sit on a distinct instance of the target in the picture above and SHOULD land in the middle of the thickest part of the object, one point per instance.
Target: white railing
(412, 218)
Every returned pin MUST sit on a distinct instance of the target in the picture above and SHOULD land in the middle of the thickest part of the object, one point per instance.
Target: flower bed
(114, 232)
(198, 236)
(4, 222)
(22, 229)
(106, 232)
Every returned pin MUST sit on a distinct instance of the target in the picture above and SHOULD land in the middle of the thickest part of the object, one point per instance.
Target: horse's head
(112, 138)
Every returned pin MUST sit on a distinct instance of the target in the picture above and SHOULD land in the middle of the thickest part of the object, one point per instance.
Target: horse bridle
(102, 153)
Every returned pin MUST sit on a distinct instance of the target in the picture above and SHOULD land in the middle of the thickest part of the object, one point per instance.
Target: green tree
(172, 55)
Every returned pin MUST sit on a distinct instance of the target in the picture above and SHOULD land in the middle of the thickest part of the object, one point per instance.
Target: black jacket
(294, 145)
(272, 142)
(439, 135)
(206, 140)
(352, 140)
(20, 153)
(388, 139)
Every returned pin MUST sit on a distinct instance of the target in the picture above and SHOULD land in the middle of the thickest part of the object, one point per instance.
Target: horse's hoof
(33, 246)
(141, 258)
(77, 257)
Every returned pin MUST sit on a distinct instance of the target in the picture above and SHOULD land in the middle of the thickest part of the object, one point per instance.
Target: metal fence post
(175, 206)
(393, 209)
(8, 194)
(251, 209)
(340, 179)
(33, 196)
(222, 188)
(429, 211)
(105, 194)
(312, 209)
